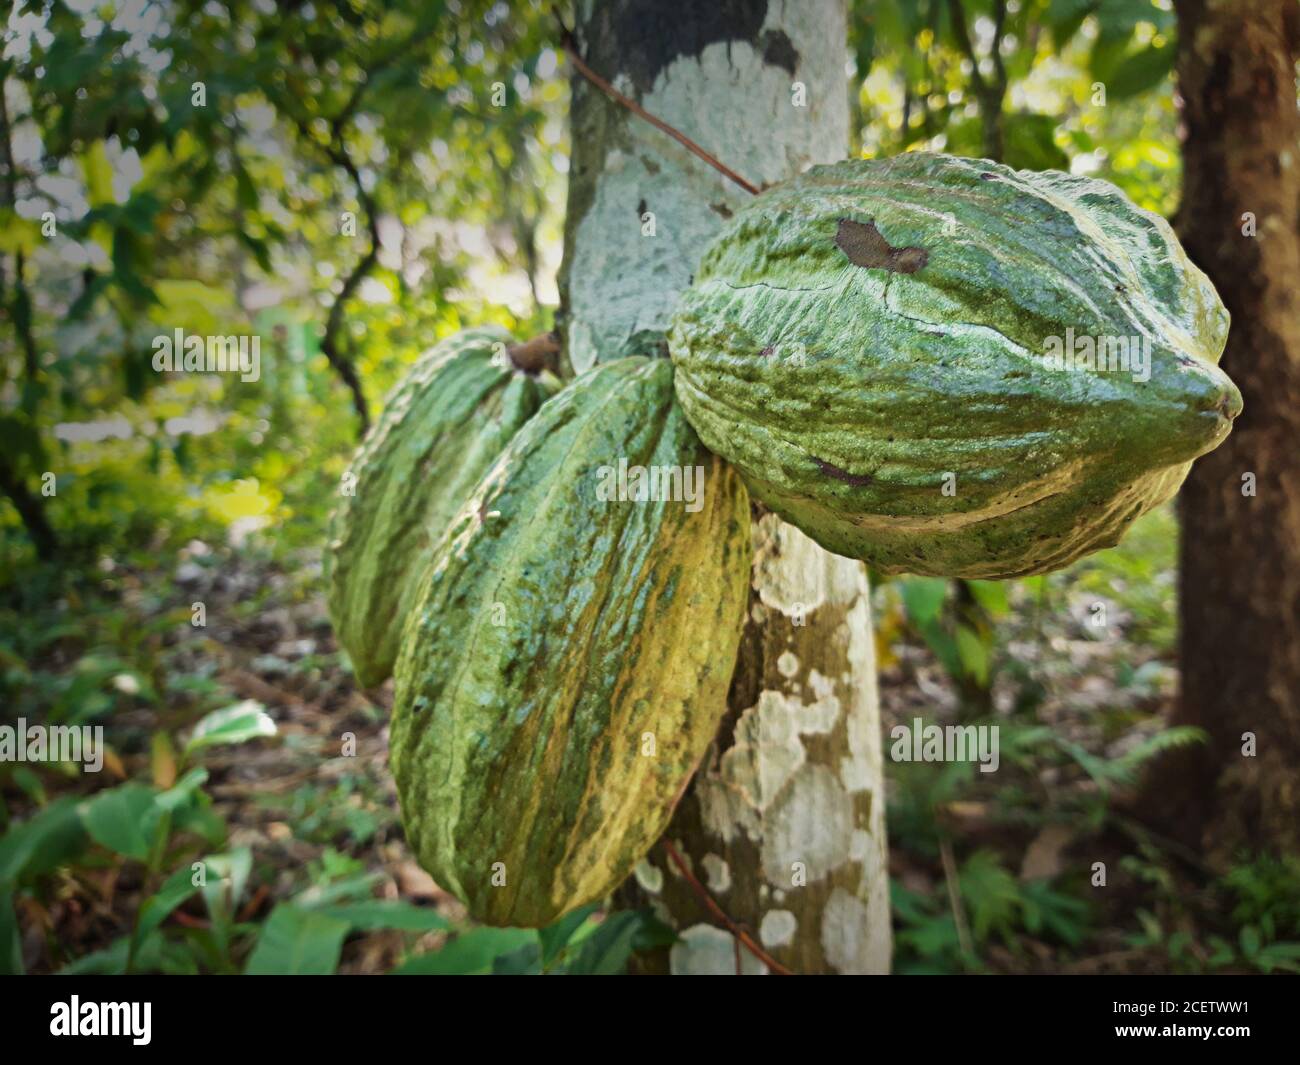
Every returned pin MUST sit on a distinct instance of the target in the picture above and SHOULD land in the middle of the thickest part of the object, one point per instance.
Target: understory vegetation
(245, 819)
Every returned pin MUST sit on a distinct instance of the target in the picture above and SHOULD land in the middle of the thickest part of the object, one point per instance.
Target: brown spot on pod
(867, 247)
(857, 480)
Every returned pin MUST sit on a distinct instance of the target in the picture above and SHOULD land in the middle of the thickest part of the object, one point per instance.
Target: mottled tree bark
(784, 822)
(1240, 554)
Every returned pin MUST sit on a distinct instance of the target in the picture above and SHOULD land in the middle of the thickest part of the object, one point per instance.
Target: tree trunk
(784, 822)
(1240, 553)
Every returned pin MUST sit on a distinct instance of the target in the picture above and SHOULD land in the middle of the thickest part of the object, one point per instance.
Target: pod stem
(536, 354)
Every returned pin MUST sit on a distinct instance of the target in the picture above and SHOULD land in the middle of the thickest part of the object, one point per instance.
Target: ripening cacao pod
(902, 358)
(442, 427)
(567, 663)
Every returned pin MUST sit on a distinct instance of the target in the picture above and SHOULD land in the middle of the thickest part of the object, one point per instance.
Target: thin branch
(30, 507)
(958, 16)
(991, 95)
(570, 49)
(387, 59)
(336, 152)
(999, 26)
(338, 155)
(718, 913)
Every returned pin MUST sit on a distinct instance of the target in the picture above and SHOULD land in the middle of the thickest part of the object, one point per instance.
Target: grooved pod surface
(442, 427)
(569, 657)
(870, 345)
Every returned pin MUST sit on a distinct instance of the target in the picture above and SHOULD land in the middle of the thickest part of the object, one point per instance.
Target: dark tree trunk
(30, 508)
(1240, 552)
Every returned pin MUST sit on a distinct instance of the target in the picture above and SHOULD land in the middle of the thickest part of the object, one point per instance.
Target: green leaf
(1030, 143)
(232, 724)
(1065, 17)
(110, 961)
(124, 267)
(923, 597)
(44, 841)
(98, 174)
(1285, 956)
(974, 654)
(944, 648)
(554, 938)
(526, 961)
(607, 951)
(470, 953)
(992, 596)
(18, 234)
(383, 913)
(182, 792)
(297, 942)
(260, 249)
(356, 888)
(1141, 71)
(175, 890)
(123, 819)
(245, 190)
(991, 893)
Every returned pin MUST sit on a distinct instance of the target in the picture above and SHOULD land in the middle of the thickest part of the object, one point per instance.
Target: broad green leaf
(974, 653)
(98, 174)
(526, 961)
(470, 953)
(175, 890)
(1065, 17)
(123, 819)
(607, 951)
(992, 596)
(1030, 143)
(1141, 71)
(182, 792)
(232, 724)
(110, 961)
(383, 913)
(297, 942)
(357, 888)
(554, 938)
(923, 597)
(18, 234)
(44, 841)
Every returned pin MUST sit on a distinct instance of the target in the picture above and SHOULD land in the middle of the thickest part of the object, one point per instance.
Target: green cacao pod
(567, 663)
(441, 429)
(883, 349)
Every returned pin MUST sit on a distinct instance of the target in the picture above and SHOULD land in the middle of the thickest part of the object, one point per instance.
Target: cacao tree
(783, 825)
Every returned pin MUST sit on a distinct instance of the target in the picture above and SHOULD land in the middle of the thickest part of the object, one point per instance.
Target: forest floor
(316, 804)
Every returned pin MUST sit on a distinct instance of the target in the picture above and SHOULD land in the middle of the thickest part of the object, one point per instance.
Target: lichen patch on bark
(811, 825)
(778, 928)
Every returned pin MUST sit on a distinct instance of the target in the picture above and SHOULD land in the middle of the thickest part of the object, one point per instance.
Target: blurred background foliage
(351, 182)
